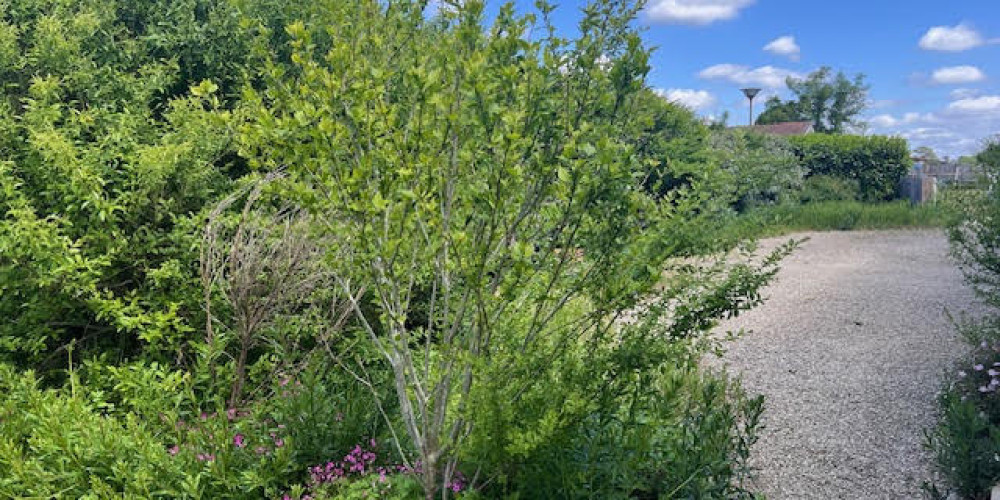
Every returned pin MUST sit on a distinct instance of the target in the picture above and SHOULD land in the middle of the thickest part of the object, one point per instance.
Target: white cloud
(784, 46)
(965, 93)
(884, 103)
(957, 75)
(951, 38)
(956, 129)
(883, 121)
(765, 76)
(888, 121)
(696, 12)
(690, 98)
(976, 105)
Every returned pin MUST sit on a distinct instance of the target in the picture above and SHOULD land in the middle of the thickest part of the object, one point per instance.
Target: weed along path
(848, 350)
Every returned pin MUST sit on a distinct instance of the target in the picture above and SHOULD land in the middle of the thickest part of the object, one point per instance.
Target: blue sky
(933, 65)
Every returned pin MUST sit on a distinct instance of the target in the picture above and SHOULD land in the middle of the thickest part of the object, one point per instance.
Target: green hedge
(877, 163)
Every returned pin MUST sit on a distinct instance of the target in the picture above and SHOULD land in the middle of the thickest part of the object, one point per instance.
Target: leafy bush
(495, 187)
(966, 441)
(276, 229)
(645, 450)
(60, 443)
(819, 188)
(674, 140)
(762, 168)
(876, 163)
(975, 235)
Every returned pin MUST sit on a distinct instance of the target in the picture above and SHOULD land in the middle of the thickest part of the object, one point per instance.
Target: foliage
(672, 138)
(831, 103)
(106, 155)
(966, 440)
(273, 230)
(976, 234)
(495, 185)
(777, 110)
(763, 168)
(61, 443)
(645, 450)
(926, 153)
(876, 163)
(819, 188)
(837, 216)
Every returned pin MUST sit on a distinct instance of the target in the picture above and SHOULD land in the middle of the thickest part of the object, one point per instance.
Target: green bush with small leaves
(875, 163)
(272, 230)
(966, 440)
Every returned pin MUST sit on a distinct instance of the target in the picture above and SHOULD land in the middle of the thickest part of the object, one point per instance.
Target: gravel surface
(849, 351)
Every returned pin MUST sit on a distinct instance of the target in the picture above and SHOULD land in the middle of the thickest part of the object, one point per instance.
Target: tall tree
(778, 111)
(927, 153)
(831, 102)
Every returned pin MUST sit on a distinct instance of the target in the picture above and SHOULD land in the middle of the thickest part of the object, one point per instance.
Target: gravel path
(849, 351)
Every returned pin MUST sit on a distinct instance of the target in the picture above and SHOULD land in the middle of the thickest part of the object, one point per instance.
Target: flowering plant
(979, 380)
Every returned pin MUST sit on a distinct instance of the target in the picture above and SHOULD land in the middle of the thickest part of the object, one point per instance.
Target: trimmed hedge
(877, 163)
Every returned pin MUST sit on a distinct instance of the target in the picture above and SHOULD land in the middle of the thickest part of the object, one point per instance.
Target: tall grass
(838, 216)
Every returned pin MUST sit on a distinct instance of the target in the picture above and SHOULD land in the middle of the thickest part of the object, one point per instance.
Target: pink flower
(231, 413)
(238, 441)
(173, 450)
(260, 450)
(206, 457)
(278, 443)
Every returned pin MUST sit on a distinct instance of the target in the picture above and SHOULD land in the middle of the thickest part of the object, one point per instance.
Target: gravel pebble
(849, 351)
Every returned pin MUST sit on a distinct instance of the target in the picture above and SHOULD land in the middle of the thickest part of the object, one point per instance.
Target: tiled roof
(785, 128)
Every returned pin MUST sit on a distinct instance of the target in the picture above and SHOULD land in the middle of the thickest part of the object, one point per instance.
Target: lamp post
(751, 93)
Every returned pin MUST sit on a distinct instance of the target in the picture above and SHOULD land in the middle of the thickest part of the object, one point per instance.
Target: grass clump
(838, 216)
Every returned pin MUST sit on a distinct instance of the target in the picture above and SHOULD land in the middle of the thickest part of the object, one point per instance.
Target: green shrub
(975, 235)
(876, 163)
(478, 205)
(63, 443)
(761, 169)
(966, 441)
(819, 188)
(645, 450)
(494, 188)
(673, 138)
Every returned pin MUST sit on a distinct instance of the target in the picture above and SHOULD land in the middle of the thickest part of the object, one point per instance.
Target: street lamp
(751, 93)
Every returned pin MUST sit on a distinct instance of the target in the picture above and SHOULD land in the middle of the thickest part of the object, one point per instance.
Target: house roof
(785, 128)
